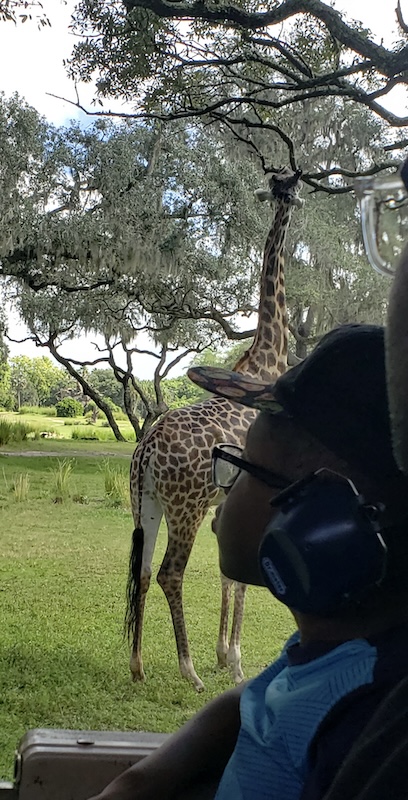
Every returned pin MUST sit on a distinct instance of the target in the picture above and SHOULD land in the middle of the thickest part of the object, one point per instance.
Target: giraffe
(170, 471)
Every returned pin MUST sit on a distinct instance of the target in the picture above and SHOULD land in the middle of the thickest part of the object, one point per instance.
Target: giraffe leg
(234, 650)
(151, 514)
(222, 643)
(170, 578)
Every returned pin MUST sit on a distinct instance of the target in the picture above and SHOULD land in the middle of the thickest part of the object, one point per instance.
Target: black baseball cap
(338, 394)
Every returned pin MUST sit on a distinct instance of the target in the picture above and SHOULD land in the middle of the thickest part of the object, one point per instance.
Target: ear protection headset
(323, 546)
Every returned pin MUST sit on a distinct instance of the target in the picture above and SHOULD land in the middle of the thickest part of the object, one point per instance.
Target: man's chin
(232, 572)
(235, 573)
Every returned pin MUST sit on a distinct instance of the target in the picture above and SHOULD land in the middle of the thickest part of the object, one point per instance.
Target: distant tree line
(26, 381)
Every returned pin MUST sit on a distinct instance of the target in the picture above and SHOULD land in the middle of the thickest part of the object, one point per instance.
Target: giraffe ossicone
(170, 471)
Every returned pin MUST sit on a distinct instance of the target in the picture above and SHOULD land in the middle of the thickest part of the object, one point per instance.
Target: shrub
(120, 415)
(92, 411)
(116, 410)
(61, 479)
(69, 407)
(77, 433)
(106, 435)
(14, 431)
(45, 411)
(116, 485)
(21, 485)
(113, 407)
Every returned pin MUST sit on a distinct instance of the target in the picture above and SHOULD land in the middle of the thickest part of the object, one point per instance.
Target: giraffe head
(284, 184)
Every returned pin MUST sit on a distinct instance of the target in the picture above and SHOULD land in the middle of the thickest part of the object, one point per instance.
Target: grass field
(63, 568)
(65, 427)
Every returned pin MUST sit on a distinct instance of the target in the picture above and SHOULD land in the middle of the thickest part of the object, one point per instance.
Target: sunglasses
(227, 463)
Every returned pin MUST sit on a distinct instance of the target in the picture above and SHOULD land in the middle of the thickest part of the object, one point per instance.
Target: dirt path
(65, 453)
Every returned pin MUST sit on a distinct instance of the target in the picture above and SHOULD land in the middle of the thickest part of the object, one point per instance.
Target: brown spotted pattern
(171, 469)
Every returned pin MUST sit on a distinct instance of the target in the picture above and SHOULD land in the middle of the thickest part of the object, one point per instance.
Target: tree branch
(387, 62)
(401, 22)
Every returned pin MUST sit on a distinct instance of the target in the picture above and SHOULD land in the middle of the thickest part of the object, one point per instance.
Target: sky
(31, 63)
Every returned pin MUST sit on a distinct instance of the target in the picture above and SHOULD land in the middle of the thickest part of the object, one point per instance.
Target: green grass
(15, 432)
(67, 446)
(63, 569)
(46, 411)
(64, 427)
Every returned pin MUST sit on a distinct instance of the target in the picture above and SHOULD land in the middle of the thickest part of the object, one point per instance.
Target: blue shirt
(301, 715)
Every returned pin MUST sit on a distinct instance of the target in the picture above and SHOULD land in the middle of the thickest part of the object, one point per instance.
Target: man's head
(330, 411)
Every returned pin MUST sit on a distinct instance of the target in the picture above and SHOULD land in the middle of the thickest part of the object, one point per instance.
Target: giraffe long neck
(267, 356)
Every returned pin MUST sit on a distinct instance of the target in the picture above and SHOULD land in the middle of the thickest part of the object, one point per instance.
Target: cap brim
(236, 387)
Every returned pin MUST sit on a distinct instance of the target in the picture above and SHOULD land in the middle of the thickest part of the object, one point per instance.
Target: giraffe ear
(263, 194)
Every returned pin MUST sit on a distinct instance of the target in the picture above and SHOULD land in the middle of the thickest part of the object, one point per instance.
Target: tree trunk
(87, 389)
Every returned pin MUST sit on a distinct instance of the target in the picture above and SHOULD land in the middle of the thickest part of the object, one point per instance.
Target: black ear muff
(323, 546)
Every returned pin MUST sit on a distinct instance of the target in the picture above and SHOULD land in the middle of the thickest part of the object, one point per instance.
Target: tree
(122, 229)
(118, 230)
(6, 400)
(177, 392)
(241, 66)
(22, 387)
(126, 209)
(46, 378)
(22, 10)
(63, 386)
(106, 384)
(37, 381)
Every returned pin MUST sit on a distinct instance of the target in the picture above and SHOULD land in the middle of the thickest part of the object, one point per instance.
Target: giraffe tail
(133, 581)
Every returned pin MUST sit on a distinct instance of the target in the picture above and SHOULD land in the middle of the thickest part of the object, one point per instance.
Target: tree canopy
(244, 66)
(115, 230)
(119, 229)
(23, 10)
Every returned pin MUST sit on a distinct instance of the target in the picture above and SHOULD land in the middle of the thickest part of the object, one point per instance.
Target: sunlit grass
(64, 427)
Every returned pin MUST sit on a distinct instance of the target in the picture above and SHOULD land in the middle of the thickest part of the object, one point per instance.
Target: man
(286, 733)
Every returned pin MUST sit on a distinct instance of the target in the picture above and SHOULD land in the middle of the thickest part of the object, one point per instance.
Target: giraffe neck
(267, 355)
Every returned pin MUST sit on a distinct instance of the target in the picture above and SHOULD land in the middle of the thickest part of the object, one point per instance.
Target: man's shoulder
(339, 729)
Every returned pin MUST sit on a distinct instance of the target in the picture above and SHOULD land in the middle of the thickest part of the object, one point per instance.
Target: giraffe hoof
(222, 659)
(138, 678)
(138, 674)
(136, 667)
(196, 681)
